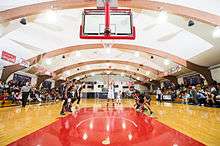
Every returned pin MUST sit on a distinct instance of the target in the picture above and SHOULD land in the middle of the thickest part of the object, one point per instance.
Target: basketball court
(109, 72)
(93, 124)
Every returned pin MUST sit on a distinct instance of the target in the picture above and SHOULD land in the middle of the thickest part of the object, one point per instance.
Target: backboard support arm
(107, 30)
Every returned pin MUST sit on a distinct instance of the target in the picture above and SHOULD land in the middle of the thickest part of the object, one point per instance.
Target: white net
(107, 44)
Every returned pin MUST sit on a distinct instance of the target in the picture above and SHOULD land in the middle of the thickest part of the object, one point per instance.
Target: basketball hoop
(105, 22)
(107, 44)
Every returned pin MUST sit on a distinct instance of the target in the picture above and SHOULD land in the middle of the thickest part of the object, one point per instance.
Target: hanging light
(162, 18)
(108, 72)
(1, 29)
(88, 67)
(78, 54)
(136, 54)
(166, 62)
(108, 50)
(77, 78)
(92, 74)
(48, 61)
(147, 73)
(50, 16)
(216, 32)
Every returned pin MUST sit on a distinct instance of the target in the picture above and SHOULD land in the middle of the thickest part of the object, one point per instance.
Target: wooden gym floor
(200, 123)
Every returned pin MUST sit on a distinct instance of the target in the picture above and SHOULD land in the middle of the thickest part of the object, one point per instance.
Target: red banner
(8, 57)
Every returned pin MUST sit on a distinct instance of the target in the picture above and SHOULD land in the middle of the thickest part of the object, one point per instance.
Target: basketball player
(68, 97)
(136, 96)
(111, 94)
(142, 102)
(78, 94)
(146, 103)
(118, 99)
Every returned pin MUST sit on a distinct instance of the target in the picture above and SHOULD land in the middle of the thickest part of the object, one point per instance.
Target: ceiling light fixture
(1, 29)
(78, 54)
(92, 74)
(51, 16)
(147, 73)
(136, 54)
(216, 32)
(88, 67)
(48, 61)
(166, 62)
(162, 18)
(107, 64)
(108, 50)
(77, 78)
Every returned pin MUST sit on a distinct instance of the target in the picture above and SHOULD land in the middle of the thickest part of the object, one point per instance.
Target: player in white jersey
(118, 98)
(111, 94)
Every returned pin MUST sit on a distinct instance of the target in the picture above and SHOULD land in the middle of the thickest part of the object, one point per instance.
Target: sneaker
(62, 113)
(151, 112)
(145, 109)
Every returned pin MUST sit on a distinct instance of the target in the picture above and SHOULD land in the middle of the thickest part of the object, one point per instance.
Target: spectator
(4, 96)
(173, 95)
(210, 97)
(185, 97)
(25, 93)
(201, 98)
(16, 96)
(1, 87)
(159, 95)
(194, 95)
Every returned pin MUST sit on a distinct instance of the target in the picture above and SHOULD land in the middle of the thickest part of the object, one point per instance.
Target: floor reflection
(106, 126)
(201, 123)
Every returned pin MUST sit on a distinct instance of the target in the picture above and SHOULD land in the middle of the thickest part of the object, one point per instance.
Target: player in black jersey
(78, 94)
(68, 96)
(142, 102)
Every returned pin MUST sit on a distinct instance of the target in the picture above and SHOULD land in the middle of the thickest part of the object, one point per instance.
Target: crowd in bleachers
(12, 91)
(199, 94)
